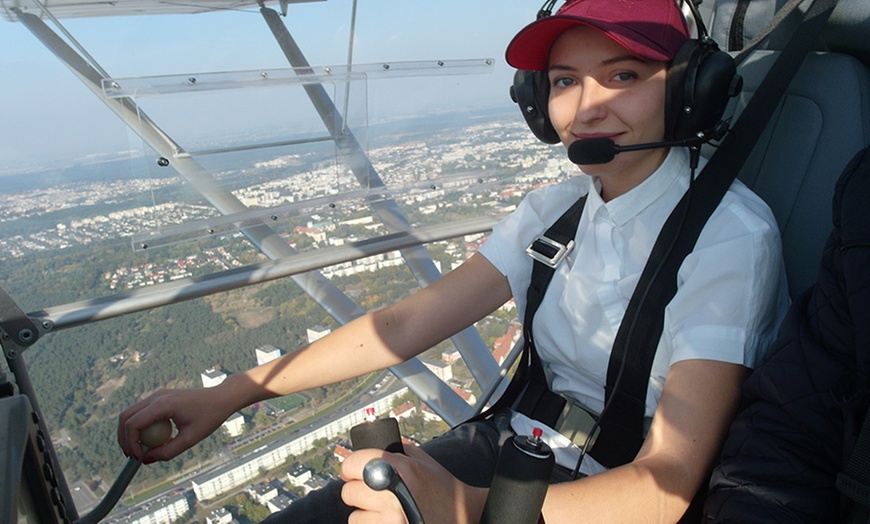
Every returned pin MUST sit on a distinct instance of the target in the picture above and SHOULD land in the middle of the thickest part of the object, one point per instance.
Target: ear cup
(700, 81)
(531, 92)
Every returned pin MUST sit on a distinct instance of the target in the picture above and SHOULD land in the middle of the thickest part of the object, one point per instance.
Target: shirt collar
(674, 170)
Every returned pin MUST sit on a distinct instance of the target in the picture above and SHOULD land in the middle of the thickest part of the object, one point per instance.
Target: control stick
(379, 475)
(522, 476)
(151, 437)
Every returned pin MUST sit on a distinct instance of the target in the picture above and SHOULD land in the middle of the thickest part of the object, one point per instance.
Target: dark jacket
(804, 405)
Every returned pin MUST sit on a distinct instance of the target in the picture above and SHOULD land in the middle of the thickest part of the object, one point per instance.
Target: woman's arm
(369, 343)
(389, 336)
(697, 405)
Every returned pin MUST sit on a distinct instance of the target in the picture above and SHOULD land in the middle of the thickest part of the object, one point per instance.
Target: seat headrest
(846, 32)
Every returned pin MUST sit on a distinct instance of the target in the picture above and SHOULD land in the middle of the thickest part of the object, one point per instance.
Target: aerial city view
(85, 228)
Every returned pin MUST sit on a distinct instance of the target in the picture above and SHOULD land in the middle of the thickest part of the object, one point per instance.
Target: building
(442, 370)
(408, 409)
(314, 483)
(317, 332)
(219, 516)
(212, 377)
(266, 354)
(503, 344)
(165, 510)
(467, 396)
(451, 357)
(235, 425)
(262, 493)
(299, 475)
(365, 264)
(278, 503)
(341, 453)
(429, 415)
(318, 235)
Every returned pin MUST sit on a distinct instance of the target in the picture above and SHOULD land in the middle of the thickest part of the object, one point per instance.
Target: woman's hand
(441, 497)
(196, 413)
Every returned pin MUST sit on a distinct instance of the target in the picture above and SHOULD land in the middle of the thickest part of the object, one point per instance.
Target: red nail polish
(148, 460)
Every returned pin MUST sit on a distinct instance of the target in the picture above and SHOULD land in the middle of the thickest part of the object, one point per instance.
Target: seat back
(822, 121)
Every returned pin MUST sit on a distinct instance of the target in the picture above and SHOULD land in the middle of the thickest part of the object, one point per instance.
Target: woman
(606, 63)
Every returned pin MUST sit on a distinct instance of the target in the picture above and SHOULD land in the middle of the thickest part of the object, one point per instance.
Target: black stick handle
(522, 476)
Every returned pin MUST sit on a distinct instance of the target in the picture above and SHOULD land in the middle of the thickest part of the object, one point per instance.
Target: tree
(247, 510)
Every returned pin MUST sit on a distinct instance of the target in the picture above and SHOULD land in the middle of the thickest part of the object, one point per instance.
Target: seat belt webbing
(529, 368)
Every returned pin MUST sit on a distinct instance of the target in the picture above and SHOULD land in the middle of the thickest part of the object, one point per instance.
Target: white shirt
(731, 293)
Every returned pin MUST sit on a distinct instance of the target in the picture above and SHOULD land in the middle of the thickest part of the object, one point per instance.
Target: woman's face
(600, 89)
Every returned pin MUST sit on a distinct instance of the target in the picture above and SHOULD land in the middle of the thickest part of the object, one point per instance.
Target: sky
(47, 115)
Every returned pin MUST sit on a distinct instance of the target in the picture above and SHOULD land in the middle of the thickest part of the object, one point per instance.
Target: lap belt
(579, 424)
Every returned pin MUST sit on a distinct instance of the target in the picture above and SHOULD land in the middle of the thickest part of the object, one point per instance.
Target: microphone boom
(601, 150)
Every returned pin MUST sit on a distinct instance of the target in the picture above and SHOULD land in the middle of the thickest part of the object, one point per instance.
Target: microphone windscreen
(592, 151)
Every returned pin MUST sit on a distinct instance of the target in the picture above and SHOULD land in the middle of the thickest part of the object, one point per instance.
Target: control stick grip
(522, 476)
(151, 437)
(379, 474)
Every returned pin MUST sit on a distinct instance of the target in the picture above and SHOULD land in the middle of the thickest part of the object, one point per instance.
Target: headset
(700, 80)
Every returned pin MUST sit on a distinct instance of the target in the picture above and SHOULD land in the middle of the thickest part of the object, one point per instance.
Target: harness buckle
(548, 251)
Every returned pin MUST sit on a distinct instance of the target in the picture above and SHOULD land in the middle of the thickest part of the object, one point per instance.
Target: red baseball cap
(652, 29)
